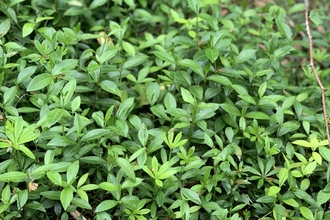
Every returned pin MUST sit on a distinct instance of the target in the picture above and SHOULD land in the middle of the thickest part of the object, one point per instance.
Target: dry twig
(314, 70)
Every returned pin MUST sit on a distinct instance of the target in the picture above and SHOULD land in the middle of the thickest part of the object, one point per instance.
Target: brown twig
(314, 70)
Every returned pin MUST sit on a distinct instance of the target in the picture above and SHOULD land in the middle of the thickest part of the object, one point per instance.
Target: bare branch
(314, 70)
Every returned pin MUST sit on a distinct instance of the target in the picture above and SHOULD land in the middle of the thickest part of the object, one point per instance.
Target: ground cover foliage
(136, 109)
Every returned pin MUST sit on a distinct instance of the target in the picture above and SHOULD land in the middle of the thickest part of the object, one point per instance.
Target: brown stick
(314, 70)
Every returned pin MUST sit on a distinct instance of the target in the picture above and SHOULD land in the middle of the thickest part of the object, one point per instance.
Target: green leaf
(169, 101)
(66, 197)
(325, 153)
(53, 195)
(153, 93)
(127, 167)
(220, 79)
(28, 29)
(257, 115)
(111, 87)
(125, 108)
(245, 55)
(72, 172)
(128, 48)
(81, 203)
(284, 29)
(96, 4)
(94, 134)
(39, 82)
(26, 151)
(306, 212)
(322, 197)
(191, 195)
(192, 65)
(187, 97)
(13, 176)
(4, 27)
(54, 116)
(26, 73)
(135, 61)
(212, 54)
(105, 205)
(55, 177)
(230, 109)
(109, 186)
(305, 196)
(317, 16)
(267, 199)
(287, 127)
(63, 66)
(164, 56)
(194, 5)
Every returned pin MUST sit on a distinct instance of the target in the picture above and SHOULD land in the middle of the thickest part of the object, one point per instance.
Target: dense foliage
(163, 109)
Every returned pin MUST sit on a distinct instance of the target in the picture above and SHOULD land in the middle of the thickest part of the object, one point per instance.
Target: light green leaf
(257, 115)
(128, 47)
(72, 172)
(105, 205)
(65, 65)
(66, 197)
(317, 16)
(96, 4)
(39, 82)
(27, 29)
(164, 56)
(127, 167)
(187, 97)
(230, 109)
(13, 176)
(245, 55)
(212, 54)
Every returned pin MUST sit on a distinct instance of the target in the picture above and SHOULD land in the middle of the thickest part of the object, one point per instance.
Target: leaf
(306, 212)
(257, 115)
(187, 97)
(317, 16)
(39, 82)
(153, 93)
(27, 29)
(245, 55)
(164, 56)
(192, 65)
(105, 205)
(303, 143)
(13, 176)
(111, 87)
(135, 61)
(191, 195)
(4, 27)
(169, 101)
(63, 66)
(125, 108)
(212, 54)
(220, 79)
(94, 134)
(26, 73)
(325, 153)
(55, 177)
(66, 197)
(230, 109)
(127, 167)
(287, 127)
(54, 116)
(128, 48)
(81, 203)
(96, 4)
(284, 29)
(72, 172)
(194, 5)
(305, 196)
